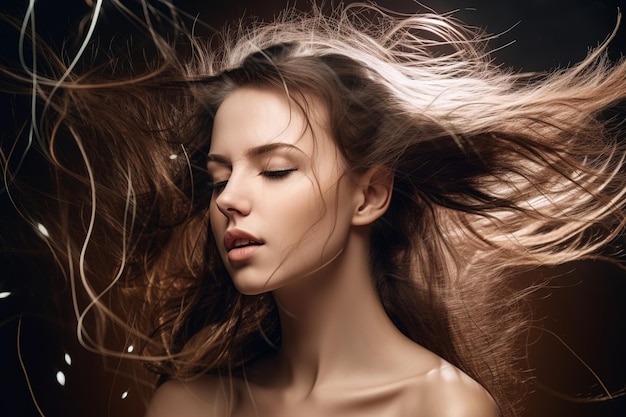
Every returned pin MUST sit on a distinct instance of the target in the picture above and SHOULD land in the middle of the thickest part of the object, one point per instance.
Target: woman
(318, 216)
(289, 217)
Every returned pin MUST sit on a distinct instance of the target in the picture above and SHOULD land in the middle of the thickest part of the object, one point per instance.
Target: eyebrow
(256, 151)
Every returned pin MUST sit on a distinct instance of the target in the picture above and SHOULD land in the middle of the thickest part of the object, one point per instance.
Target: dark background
(582, 313)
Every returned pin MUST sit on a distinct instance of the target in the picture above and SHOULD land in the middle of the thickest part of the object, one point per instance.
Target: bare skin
(340, 354)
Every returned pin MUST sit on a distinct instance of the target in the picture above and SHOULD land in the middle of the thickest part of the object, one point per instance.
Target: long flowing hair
(494, 172)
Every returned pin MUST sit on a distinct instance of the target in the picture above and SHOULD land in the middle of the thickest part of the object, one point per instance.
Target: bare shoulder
(446, 391)
(207, 397)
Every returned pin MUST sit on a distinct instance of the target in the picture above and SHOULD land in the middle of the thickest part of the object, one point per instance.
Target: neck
(333, 323)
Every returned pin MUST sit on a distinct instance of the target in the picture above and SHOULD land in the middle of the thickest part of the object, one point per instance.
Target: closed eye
(217, 187)
(280, 173)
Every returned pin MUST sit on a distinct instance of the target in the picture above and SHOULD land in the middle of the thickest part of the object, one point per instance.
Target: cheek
(296, 218)
(324, 218)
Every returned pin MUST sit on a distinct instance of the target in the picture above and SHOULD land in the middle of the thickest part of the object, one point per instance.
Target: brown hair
(493, 172)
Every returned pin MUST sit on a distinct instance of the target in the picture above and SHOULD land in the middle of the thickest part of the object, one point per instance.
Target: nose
(234, 200)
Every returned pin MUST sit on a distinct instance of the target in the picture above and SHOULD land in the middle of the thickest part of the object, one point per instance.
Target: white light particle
(173, 156)
(68, 359)
(130, 348)
(61, 378)
(42, 229)
(5, 294)
(124, 395)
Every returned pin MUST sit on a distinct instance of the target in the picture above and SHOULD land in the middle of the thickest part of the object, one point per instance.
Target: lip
(233, 235)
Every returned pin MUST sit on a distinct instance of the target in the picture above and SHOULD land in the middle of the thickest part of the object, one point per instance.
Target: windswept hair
(494, 172)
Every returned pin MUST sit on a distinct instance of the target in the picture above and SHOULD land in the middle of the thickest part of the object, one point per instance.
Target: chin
(250, 290)
(252, 286)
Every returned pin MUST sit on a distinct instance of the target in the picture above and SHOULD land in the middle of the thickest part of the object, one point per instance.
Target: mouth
(242, 243)
(236, 239)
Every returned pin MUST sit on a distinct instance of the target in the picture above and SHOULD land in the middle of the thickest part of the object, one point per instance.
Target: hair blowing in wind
(494, 172)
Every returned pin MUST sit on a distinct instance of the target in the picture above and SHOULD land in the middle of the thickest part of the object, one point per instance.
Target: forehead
(252, 116)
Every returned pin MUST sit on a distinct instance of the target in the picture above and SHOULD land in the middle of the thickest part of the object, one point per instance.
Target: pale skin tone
(308, 225)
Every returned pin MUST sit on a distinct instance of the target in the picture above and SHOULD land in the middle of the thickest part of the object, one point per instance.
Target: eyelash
(277, 174)
(216, 187)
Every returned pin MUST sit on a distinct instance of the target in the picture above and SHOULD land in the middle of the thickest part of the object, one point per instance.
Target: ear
(373, 195)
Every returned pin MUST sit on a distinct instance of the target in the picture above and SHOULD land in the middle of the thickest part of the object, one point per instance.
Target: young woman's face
(281, 207)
